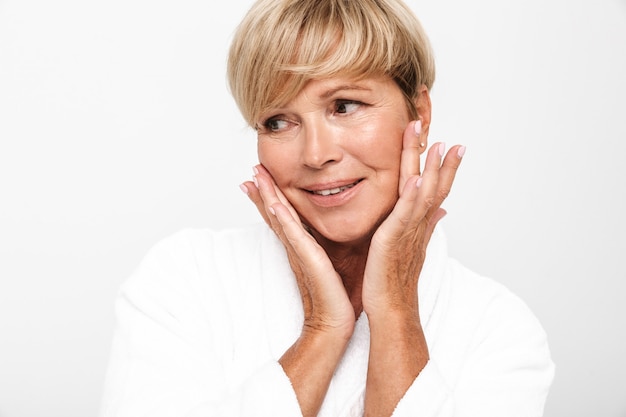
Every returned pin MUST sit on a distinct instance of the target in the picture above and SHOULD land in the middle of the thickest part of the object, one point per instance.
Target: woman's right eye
(275, 124)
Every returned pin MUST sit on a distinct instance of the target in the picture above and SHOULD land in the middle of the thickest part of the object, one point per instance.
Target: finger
(421, 197)
(271, 194)
(401, 217)
(267, 192)
(254, 195)
(261, 170)
(312, 257)
(253, 190)
(323, 294)
(447, 173)
(267, 187)
(416, 197)
(411, 151)
(430, 228)
(430, 179)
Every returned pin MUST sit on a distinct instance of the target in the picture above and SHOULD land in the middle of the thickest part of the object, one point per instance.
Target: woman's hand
(328, 314)
(326, 304)
(398, 247)
(398, 350)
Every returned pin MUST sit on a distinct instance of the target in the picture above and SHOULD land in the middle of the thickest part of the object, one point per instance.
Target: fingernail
(418, 127)
(418, 183)
(271, 210)
(255, 181)
(243, 188)
(442, 148)
(255, 170)
(461, 151)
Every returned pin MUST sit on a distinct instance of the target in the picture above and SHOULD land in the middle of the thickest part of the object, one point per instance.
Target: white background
(116, 129)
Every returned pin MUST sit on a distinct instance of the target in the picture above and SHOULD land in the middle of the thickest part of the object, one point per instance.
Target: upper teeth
(333, 190)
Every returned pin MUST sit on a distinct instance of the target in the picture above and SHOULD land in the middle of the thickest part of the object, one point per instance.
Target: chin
(344, 233)
(346, 227)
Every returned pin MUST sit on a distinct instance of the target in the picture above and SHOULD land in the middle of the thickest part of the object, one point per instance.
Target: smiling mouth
(337, 190)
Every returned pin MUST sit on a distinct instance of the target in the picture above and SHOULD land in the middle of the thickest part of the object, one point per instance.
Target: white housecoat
(204, 319)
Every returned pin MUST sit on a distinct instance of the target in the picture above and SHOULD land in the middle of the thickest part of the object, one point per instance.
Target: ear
(423, 107)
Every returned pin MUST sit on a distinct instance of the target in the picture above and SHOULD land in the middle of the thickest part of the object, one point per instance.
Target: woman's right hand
(327, 307)
(329, 317)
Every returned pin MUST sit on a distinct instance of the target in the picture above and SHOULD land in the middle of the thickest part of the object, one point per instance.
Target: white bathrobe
(204, 319)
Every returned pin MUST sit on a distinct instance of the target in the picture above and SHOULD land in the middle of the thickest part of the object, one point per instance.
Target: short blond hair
(282, 44)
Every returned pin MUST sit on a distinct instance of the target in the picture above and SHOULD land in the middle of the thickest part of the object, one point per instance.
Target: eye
(274, 124)
(347, 106)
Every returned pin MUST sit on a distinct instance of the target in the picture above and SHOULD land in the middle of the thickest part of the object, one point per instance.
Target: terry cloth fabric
(204, 319)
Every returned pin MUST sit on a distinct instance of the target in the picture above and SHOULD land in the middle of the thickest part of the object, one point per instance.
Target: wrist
(397, 330)
(323, 334)
(393, 314)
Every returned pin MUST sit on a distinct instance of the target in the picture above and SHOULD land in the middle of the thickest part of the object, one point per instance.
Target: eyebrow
(333, 91)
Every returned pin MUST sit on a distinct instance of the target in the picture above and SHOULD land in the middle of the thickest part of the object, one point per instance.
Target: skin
(361, 249)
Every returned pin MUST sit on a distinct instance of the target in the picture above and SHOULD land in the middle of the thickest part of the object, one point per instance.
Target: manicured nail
(418, 127)
(418, 183)
(255, 181)
(244, 189)
(442, 148)
(255, 170)
(461, 151)
(271, 210)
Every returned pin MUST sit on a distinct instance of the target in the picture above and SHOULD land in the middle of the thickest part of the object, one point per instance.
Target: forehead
(329, 87)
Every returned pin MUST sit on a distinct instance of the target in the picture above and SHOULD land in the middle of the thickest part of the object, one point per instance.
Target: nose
(321, 144)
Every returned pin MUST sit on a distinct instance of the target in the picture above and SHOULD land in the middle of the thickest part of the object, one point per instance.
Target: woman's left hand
(398, 349)
(398, 248)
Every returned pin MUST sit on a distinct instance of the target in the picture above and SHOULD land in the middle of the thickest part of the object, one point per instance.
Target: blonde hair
(282, 44)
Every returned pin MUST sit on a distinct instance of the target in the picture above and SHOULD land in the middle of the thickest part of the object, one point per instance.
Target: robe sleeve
(504, 370)
(173, 345)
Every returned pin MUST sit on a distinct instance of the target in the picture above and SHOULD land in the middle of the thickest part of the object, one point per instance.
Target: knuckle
(443, 193)
(452, 165)
(429, 201)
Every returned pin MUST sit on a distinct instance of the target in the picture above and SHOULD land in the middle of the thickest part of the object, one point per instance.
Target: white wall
(116, 129)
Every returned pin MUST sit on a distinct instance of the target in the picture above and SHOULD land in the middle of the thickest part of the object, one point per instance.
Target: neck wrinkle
(349, 261)
(350, 265)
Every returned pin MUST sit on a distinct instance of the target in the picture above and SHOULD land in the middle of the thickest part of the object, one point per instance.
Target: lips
(333, 190)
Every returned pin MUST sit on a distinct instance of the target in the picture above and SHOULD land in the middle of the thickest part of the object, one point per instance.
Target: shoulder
(494, 318)
(188, 242)
(201, 247)
(469, 300)
(194, 259)
(486, 297)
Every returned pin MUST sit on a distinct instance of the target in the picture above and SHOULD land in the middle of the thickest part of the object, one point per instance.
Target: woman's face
(334, 151)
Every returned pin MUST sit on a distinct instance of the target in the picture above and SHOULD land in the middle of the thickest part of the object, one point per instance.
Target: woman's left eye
(346, 106)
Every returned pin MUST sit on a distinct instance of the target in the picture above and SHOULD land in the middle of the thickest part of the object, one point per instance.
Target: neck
(349, 260)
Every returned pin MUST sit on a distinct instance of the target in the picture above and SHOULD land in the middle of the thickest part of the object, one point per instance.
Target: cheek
(261, 152)
(381, 146)
(275, 158)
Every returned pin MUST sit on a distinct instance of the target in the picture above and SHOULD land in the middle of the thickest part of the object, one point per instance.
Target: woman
(347, 304)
